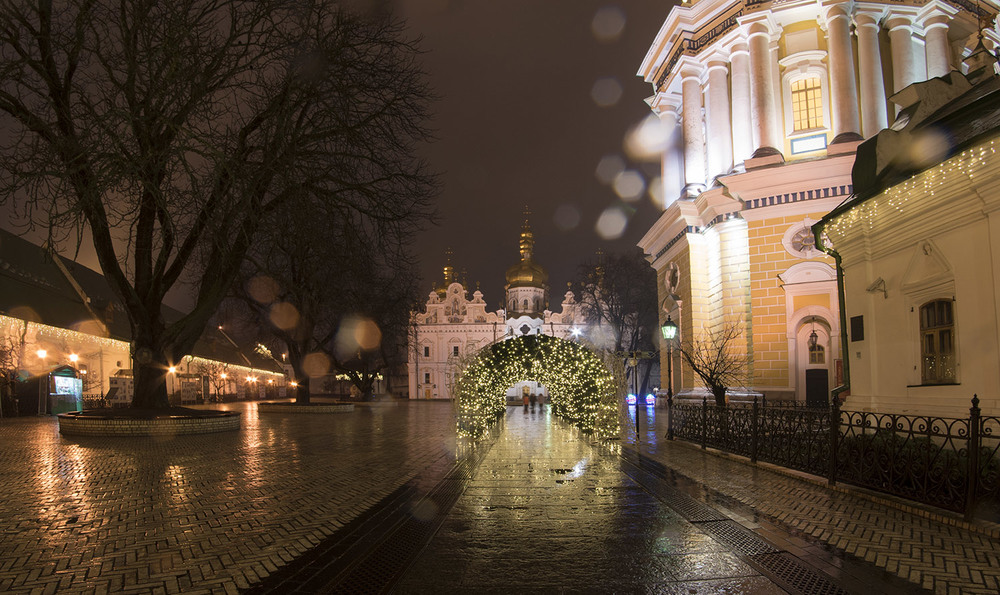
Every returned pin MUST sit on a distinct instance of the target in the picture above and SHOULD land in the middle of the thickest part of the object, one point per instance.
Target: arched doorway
(813, 350)
(581, 388)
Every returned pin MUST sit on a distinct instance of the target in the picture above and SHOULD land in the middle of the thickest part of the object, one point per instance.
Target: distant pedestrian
(525, 402)
(533, 398)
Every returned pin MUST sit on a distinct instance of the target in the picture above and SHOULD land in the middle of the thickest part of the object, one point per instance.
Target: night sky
(517, 124)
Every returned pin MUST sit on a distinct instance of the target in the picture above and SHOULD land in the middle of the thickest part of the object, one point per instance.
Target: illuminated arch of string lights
(581, 387)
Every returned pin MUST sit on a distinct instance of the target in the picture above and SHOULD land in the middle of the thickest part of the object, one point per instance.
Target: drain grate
(737, 537)
(795, 576)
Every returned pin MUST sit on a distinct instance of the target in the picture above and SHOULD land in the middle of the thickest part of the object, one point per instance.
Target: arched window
(807, 104)
(937, 342)
(525, 305)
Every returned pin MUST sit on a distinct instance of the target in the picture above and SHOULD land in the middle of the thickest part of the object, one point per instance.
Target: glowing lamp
(41, 353)
(630, 399)
(73, 357)
(172, 370)
(650, 400)
(669, 329)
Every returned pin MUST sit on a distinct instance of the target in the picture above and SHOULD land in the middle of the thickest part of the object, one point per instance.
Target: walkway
(387, 495)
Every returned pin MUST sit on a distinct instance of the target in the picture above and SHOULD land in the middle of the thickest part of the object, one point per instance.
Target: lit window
(817, 355)
(937, 342)
(807, 104)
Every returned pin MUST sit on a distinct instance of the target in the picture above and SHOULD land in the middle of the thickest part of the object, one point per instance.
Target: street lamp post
(669, 330)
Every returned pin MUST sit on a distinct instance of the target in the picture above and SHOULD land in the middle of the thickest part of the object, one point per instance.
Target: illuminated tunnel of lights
(582, 389)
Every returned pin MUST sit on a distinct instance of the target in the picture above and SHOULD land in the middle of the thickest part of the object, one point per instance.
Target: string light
(879, 210)
(581, 387)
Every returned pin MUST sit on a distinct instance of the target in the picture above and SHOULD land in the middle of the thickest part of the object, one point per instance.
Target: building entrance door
(817, 387)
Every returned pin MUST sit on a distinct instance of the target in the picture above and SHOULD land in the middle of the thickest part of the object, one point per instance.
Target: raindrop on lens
(606, 91)
(608, 24)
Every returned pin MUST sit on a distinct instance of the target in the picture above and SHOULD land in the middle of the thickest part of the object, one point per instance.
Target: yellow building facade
(764, 105)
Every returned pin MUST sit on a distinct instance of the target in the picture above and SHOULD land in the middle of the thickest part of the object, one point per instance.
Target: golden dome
(527, 273)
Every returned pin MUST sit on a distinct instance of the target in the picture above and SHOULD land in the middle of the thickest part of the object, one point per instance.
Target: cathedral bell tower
(527, 288)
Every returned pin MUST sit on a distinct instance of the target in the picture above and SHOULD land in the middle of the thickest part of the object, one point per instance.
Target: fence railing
(951, 463)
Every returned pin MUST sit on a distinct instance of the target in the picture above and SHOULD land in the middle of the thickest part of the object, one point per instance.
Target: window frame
(799, 66)
(937, 331)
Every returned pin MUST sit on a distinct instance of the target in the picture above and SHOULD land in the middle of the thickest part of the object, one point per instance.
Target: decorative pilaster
(873, 105)
(843, 88)
(739, 75)
(720, 150)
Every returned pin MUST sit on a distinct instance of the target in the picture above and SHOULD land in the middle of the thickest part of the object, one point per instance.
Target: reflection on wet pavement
(548, 510)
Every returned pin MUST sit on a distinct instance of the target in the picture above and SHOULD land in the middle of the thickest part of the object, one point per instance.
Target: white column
(843, 88)
(671, 162)
(873, 106)
(904, 66)
(935, 18)
(740, 81)
(720, 149)
(694, 134)
(762, 99)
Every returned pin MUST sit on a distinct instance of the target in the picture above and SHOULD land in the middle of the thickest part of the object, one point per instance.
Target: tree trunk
(720, 395)
(149, 379)
(302, 390)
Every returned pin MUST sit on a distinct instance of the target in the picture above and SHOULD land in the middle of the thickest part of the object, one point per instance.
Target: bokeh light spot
(357, 333)
(263, 289)
(609, 167)
(929, 147)
(656, 192)
(629, 185)
(611, 224)
(647, 140)
(608, 24)
(566, 217)
(284, 315)
(316, 364)
(606, 91)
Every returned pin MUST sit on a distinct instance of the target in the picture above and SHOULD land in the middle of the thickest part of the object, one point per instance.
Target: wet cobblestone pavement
(549, 512)
(208, 513)
(387, 496)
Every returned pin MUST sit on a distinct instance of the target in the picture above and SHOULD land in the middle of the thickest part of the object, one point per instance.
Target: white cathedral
(452, 327)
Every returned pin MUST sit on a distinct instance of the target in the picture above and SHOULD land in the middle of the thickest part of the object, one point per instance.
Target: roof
(33, 288)
(939, 118)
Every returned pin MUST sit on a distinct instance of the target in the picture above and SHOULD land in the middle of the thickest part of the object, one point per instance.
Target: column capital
(868, 17)
(837, 9)
(716, 61)
(760, 23)
(665, 103)
(739, 48)
(894, 21)
(935, 14)
(687, 68)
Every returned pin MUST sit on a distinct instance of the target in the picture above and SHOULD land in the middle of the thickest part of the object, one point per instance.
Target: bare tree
(218, 376)
(342, 303)
(718, 360)
(168, 129)
(618, 296)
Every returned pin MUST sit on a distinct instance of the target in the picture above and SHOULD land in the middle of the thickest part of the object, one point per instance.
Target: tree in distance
(618, 299)
(339, 305)
(171, 130)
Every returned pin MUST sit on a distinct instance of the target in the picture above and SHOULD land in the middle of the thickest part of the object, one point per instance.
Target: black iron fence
(952, 463)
